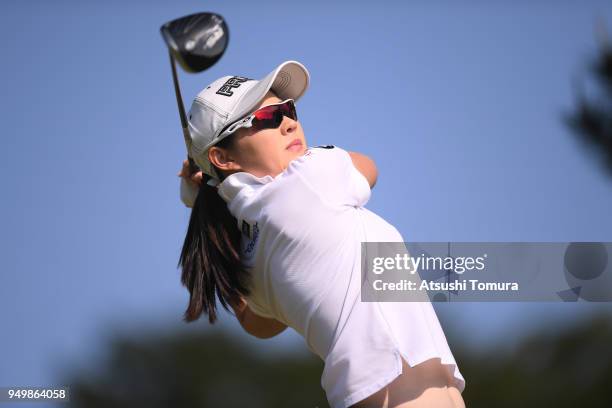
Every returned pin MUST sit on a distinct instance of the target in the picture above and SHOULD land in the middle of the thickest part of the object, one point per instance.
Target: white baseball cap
(231, 98)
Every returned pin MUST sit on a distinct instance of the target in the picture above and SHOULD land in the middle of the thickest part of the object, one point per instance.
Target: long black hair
(210, 258)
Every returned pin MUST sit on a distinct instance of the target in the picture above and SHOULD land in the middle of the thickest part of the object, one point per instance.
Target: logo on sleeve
(251, 244)
(230, 84)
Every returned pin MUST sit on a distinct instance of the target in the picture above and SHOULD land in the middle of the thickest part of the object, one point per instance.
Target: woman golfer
(275, 232)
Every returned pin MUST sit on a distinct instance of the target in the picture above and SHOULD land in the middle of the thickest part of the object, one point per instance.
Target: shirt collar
(237, 182)
(233, 184)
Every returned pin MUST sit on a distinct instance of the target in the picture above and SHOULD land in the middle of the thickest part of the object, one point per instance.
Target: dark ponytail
(210, 258)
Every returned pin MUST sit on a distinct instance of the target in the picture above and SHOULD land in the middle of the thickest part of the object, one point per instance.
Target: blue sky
(458, 104)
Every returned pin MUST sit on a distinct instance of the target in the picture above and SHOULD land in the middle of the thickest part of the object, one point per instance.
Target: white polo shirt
(302, 234)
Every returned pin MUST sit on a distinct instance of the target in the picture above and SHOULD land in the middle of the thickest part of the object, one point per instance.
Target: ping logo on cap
(233, 82)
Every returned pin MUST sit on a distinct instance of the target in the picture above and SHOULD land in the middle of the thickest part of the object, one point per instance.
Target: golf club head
(196, 41)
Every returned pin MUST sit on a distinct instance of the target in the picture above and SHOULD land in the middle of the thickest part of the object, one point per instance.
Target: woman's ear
(223, 159)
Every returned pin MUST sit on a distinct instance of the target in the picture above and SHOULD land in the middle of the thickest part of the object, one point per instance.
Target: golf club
(197, 42)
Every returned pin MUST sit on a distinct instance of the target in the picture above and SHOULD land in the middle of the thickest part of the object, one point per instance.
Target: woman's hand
(194, 178)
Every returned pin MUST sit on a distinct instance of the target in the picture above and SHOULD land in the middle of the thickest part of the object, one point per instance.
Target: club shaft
(182, 115)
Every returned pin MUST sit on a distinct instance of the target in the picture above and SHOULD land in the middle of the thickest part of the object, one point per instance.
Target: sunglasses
(267, 117)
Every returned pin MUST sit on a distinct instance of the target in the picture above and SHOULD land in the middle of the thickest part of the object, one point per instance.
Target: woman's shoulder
(329, 170)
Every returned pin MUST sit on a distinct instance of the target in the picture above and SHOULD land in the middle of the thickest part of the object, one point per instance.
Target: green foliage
(592, 119)
(198, 371)
(571, 368)
(564, 368)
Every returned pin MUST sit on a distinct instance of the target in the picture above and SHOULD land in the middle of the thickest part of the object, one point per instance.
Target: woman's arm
(366, 166)
(254, 324)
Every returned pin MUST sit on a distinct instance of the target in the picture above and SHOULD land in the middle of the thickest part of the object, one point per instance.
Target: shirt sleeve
(359, 186)
(189, 193)
(258, 310)
(330, 170)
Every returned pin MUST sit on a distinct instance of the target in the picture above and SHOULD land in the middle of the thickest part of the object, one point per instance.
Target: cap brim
(289, 81)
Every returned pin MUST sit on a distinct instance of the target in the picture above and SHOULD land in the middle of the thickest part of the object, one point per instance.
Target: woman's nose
(288, 125)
